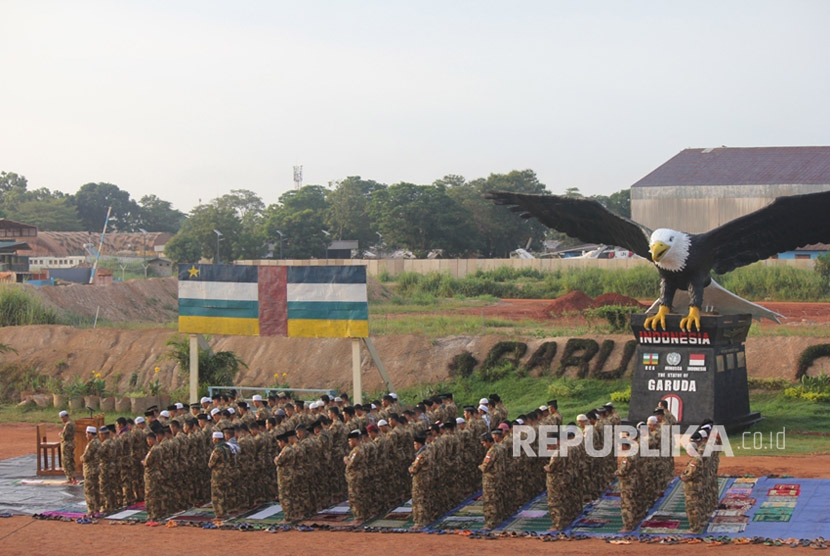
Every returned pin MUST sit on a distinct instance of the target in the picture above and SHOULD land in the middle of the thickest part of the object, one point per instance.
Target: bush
(462, 365)
(497, 372)
(621, 397)
(566, 388)
(19, 307)
(782, 283)
(215, 369)
(774, 384)
(618, 316)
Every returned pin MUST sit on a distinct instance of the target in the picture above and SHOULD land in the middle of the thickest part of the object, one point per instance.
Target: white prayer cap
(92, 429)
(483, 401)
(543, 408)
(703, 434)
(217, 434)
(706, 427)
(63, 414)
(231, 410)
(165, 413)
(179, 405)
(460, 420)
(214, 411)
(256, 398)
(338, 399)
(581, 417)
(139, 420)
(483, 408)
(205, 400)
(374, 406)
(651, 420)
(383, 423)
(520, 421)
(394, 395)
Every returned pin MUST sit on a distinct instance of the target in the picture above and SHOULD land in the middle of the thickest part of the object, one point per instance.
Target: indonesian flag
(697, 360)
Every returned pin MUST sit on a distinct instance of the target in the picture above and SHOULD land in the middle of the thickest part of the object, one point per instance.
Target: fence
(266, 391)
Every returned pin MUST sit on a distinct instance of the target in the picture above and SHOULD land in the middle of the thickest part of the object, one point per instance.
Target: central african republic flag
(294, 301)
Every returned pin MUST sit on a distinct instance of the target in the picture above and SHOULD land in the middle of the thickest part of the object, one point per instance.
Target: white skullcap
(179, 405)
(706, 427)
(651, 420)
(338, 399)
(217, 434)
(91, 429)
(139, 420)
(256, 398)
(231, 410)
(63, 414)
(460, 420)
(520, 421)
(581, 417)
(205, 400)
(165, 413)
(483, 401)
(543, 408)
(383, 423)
(214, 411)
(483, 408)
(394, 395)
(374, 406)
(703, 433)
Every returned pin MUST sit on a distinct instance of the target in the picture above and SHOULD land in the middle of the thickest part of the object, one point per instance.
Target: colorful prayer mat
(469, 515)
(671, 508)
(603, 516)
(261, 517)
(532, 517)
(136, 512)
(399, 518)
(338, 515)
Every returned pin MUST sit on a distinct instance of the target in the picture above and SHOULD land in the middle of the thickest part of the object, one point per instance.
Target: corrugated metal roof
(743, 166)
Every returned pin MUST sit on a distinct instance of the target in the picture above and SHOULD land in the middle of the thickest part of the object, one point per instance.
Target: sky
(190, 99)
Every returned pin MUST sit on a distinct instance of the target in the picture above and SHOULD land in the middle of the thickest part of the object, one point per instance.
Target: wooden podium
(49, 456)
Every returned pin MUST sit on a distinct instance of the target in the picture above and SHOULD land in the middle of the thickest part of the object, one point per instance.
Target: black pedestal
(701, 374)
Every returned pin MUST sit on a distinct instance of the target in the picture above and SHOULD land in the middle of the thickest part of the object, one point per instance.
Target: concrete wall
(698, 209)
(459, 268)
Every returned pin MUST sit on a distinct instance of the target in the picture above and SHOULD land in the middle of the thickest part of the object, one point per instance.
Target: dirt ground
(26, 536)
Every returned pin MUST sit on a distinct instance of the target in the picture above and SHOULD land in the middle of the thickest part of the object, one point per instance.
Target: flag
(651, 358)
(298, 301)
(697, 360)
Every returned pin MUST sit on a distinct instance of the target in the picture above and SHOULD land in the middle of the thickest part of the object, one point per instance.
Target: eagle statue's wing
(783, 225)
(718, 299)
(584, 219)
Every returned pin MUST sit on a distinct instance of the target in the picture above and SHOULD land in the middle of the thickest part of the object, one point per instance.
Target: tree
(499, 230)
(619, 202)
(156, 215)
(183, 248)
(422, 218)
(215, 369)
(92, 201)
(301, 217)
(10, 180)
(348, 210)
(54, 214)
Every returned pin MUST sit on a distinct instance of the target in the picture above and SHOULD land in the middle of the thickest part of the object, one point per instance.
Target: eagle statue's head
(669, 249)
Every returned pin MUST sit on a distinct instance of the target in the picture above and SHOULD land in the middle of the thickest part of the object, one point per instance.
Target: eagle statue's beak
(658, 249)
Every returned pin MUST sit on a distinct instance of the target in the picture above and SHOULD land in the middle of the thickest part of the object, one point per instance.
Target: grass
(11, 413)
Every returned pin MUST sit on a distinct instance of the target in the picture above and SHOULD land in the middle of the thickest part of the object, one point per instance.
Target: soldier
(260, 407)
(220, 462)
(492, 471)
(286, 463)
(693, 487)
(630, 488)
(153, 477)
(422, 514)
(139, 451)
(356, 475)
(90, 459)
(68, 447)
(558, 483)
(109, 477)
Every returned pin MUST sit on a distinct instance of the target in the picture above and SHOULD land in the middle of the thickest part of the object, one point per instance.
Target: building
(341, 249)
(700, 189)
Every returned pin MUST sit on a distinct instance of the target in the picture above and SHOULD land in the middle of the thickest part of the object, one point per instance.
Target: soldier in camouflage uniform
(219, 464)
(67, 437)
(286, 464)
(693, 478)
(422, 510)
(492, 476)
(139, 451)
(357, 470)
(631, 488)
(90, 460)
(153, 478)
(559, 491)
(109, 478)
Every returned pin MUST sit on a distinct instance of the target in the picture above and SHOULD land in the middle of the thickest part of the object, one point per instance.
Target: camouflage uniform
(422, 508)
(558, 487)
(91, 476)
(286, 463)
(356, 471)
(219, 464)
(693, 485)
(68, 449)
(630, 490)
(492, 477)
(109, 478)
(153, 483)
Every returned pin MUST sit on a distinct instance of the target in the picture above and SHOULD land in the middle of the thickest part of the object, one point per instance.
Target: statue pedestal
(701, 374)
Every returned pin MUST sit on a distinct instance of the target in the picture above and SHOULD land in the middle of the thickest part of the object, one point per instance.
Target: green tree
(422, 218)
(53, 214)
(348, 212)
(157, 215)
(10, 181)
(499, 230)
(92, 201)
(183, 248)
(249, 242)
(619, 202)
(301, 217)
(215, 369)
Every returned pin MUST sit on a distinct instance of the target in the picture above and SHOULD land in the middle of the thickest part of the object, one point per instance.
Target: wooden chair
(48, 456)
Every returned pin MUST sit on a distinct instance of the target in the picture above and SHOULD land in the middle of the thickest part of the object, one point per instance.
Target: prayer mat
(672, 508)
(338, 515)
(469, 515)
(533, 516)
(601, 517)
(72, 511)
(261, 517)
(399, 518)
(45, 482)
(200, 514)
(137, 512)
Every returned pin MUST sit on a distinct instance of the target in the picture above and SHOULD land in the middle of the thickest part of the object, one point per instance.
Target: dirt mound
(617, 299)
(377, 291)
(153, 300)
(571, 302)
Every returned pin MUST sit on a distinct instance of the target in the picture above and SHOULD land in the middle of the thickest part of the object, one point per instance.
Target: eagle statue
(685, 260)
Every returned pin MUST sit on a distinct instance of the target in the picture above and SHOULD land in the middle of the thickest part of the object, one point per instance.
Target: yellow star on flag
(193, 271)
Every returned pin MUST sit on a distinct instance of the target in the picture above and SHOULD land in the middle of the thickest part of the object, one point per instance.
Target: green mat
(532, 517)
(468, 515)
(604, 516)
(398, 518)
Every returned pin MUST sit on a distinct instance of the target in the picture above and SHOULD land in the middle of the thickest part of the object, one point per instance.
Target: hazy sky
(189, 99)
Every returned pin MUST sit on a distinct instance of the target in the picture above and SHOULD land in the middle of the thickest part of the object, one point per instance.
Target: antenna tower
(298, 177)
